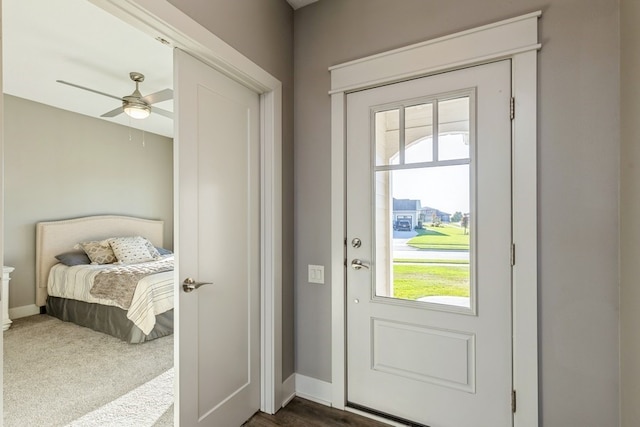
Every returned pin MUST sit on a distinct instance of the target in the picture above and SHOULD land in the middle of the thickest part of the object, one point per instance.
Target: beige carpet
(141, 407)
(57, 373)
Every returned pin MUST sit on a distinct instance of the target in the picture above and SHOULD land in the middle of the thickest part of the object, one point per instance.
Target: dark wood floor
(301, 412)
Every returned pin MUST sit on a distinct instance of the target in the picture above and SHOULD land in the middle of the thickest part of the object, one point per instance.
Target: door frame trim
(515, 39)
(162, 19)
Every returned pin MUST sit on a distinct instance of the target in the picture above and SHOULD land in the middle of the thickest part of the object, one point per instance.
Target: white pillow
(152, 249)
(131, 250)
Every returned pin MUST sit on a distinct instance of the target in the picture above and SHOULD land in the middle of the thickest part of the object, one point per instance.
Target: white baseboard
(24, 311)
(288, 390)
(313, 389)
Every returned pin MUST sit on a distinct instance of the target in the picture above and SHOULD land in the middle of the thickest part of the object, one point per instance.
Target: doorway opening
(172, 25)
(488, 43)
(62, 161)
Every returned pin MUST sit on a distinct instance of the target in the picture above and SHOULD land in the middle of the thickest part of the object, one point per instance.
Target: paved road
(401, 250)
(404, 234)
(429, 254)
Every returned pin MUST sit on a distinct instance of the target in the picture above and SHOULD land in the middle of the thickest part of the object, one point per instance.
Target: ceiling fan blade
(113, 112)
(90, 90)
(168, 114)
(163, 95)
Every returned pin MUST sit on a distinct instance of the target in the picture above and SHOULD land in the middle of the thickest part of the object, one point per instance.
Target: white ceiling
(75, 41)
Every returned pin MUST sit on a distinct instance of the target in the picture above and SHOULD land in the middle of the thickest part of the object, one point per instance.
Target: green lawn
(416, 281)
(448, 237)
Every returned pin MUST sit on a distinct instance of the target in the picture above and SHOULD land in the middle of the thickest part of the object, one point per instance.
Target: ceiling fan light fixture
(137, 110)
(135, 105)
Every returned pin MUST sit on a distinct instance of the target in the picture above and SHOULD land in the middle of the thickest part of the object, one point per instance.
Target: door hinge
(512, 108)
(513, 401)
(513, 254)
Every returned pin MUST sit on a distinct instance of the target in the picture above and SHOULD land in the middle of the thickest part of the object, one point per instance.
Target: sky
(445, 188)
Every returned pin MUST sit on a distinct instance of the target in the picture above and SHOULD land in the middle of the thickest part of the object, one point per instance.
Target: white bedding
(153, 295)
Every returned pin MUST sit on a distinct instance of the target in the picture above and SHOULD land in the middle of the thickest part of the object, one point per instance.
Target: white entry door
(218, 211)
(429, 249)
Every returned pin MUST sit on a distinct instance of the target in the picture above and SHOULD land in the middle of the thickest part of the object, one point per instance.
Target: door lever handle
(190, 285)
(357, 264)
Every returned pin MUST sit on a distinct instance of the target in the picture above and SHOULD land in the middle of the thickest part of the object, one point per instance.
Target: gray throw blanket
(118, 284)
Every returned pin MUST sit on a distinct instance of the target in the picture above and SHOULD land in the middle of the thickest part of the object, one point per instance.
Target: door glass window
(424, 211)
(453, 129)
(387, 135)
(418, 133)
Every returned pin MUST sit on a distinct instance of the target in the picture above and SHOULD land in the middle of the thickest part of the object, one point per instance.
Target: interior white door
(429, 249)
(217, 208)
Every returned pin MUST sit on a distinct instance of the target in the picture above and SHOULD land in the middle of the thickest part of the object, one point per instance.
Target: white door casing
(432, 363)
(162, 19)
(216, 152)
(515, 39)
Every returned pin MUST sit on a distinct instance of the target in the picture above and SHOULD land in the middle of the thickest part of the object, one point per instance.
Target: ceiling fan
(134, 105)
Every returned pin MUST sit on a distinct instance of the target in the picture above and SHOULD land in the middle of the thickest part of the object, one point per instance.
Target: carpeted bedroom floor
(58, 374)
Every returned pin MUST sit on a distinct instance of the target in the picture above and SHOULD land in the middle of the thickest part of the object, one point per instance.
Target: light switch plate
(316, 274)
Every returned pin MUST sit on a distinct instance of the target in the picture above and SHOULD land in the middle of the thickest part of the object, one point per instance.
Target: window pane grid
(426, 134)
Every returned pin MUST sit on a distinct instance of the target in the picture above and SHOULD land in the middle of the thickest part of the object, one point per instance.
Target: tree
(456, 217)
(465, 223)
(436, 221)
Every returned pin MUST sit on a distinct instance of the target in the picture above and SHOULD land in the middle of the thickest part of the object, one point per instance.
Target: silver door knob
(190, 285)
(357, 264)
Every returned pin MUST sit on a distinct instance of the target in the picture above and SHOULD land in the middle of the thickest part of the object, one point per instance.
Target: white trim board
(313, 389)
(288, 390)
(162, 19)
(515, 39)
(23, 311)
(491, 42)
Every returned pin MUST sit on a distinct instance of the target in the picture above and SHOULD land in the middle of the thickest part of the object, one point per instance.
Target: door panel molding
(456, 348)
(162, 19)
(515, 39)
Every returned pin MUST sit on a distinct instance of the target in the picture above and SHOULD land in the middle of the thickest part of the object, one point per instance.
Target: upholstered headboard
(56, 237)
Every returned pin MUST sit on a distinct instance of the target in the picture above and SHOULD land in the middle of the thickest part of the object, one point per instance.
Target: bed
(149, 314)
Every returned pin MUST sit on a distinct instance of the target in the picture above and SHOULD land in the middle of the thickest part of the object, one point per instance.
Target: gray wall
(262, 30)
(60, 165)
(629, 213)
(578, 179)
